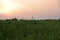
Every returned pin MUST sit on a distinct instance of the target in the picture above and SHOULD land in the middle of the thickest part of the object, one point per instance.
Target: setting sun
(28, 8)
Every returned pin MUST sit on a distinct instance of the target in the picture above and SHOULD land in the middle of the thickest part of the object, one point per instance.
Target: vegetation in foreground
(29, 29)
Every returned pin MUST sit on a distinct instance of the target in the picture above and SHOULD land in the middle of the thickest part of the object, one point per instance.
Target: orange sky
(39, 9)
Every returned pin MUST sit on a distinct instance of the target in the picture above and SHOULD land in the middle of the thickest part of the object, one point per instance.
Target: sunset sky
(39, 9)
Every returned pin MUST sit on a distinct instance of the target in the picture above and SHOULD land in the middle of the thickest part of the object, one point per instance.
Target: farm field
(29, 29)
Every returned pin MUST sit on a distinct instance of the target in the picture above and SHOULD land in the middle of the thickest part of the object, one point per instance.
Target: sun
(7, 6)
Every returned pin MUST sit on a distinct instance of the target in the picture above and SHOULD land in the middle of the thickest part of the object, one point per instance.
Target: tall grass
(29, 29)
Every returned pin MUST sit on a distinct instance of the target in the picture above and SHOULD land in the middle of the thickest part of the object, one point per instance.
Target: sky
(39, 9)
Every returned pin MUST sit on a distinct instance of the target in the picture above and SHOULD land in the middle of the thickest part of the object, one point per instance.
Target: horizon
(39, 9)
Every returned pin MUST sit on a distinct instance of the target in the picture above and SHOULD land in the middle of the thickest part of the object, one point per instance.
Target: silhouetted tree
(14, 19)
(59, 18)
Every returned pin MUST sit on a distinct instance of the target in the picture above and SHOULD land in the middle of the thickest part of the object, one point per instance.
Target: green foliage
(29, 29)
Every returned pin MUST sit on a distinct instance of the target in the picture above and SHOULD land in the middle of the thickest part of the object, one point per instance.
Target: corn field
(29, 29)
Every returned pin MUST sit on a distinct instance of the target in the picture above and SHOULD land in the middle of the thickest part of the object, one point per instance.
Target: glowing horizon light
(8, 18)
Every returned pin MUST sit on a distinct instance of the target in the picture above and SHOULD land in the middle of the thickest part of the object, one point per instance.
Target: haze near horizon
(39, 9)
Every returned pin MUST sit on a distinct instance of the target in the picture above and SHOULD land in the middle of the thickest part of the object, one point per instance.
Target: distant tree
(59, 19)
(14, 19)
